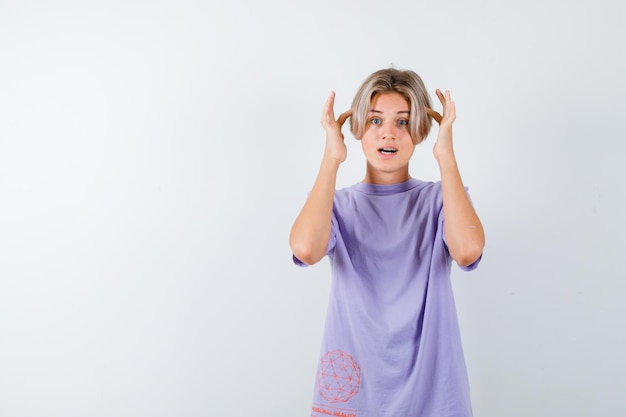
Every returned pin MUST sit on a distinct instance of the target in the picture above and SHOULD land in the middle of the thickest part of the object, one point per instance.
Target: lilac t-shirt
(391, 346)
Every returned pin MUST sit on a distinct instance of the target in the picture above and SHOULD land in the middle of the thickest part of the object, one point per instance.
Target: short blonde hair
(409, 85)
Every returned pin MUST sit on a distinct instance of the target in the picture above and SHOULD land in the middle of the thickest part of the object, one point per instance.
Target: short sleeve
(474, 264)
(332, 241)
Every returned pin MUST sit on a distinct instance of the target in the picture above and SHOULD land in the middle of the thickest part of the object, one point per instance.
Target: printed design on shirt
(338, 377)
(320, 410)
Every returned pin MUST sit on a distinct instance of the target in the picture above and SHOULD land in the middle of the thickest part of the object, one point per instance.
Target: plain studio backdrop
(153, 156)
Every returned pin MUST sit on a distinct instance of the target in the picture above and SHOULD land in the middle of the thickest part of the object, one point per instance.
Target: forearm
(310, 232)
(464, 231)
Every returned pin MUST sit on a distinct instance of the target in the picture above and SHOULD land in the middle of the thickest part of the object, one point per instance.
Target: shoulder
(432, 189)
(427, 190)
(352, 189)
(428, 186)
(348, 196)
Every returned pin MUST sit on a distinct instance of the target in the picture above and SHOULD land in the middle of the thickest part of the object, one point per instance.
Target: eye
(376, 121)
(403, 122)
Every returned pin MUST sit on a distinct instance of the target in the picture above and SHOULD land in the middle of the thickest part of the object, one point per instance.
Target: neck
(373, 176)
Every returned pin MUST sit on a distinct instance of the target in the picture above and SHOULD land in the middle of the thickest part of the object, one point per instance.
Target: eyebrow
(400, 112)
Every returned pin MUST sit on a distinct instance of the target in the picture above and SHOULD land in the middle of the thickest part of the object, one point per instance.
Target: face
(386, 142)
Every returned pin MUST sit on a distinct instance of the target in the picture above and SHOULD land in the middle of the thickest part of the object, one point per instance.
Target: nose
(389, 131)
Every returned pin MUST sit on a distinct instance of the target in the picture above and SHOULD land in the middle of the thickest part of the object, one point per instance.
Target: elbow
(468, 254)
(306, 253)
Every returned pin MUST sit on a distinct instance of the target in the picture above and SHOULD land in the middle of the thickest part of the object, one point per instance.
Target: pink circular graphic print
(338, 377)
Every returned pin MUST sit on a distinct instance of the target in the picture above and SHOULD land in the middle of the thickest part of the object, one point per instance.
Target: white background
(153, 155)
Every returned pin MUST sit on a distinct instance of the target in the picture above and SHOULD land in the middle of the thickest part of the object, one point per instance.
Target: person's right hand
(335, 146)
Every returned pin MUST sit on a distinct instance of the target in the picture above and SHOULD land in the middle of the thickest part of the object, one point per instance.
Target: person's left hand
(443, 146)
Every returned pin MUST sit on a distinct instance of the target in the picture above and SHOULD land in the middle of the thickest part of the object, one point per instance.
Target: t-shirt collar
(387, 189)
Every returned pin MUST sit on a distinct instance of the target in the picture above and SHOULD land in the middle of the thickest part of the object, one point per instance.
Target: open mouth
(387, 151)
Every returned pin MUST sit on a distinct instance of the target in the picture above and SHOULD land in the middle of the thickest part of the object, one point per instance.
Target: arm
(310, 232)
(464, 231)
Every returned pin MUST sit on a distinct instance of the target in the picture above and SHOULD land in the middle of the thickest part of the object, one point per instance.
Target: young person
(391, 344)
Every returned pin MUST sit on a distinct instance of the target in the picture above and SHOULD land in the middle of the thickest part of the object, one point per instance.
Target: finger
(343, 117)
(434, 115)
(450, 107)
(441, 97)
(329, 113)
(452, 111)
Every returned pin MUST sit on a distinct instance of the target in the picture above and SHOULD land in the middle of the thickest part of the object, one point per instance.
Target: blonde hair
(406, 83)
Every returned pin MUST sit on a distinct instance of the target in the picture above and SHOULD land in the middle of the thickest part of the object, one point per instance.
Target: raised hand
(335, 146)
(443, 146)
